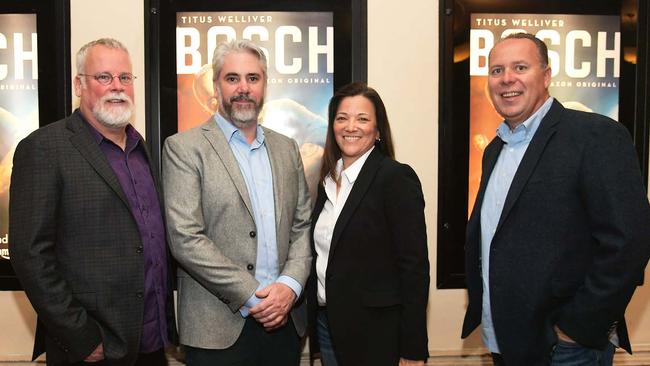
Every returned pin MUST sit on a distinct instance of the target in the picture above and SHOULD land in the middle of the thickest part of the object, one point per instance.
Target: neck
(249, 130)
(513, 125)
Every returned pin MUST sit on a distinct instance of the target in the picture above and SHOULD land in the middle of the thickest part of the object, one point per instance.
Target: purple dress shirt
(131, 167)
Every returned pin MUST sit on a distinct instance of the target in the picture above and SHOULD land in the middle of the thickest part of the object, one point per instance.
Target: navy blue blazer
(572, 241)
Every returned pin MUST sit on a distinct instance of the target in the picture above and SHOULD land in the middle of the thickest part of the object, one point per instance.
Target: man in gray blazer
(238, 213)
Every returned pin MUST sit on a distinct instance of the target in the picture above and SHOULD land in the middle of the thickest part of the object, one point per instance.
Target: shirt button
(139, 249)
(252, 234)
(250, 267)
(139, 294)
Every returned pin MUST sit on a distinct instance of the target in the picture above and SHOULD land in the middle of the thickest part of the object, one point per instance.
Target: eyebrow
(358, 114)
(516, 62)
(248, 74)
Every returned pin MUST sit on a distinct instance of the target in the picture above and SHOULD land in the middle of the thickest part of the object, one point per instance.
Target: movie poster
(584, 56)
(299, 47)
(18, 106)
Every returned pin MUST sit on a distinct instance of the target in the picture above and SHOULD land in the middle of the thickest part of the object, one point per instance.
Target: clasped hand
(272, 312)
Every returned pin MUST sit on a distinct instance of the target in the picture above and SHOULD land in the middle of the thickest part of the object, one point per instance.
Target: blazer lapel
(83, 141)
(215, 137)
(490, 157)
(546, 130)
(359, 189)
(278, 183)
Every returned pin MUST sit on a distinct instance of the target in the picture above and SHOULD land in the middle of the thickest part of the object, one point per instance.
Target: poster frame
(54, 75)
(350, 51)
(453, 117)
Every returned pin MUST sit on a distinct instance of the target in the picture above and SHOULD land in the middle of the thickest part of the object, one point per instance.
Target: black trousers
(156, 358)
(497, 359)
(254, 347)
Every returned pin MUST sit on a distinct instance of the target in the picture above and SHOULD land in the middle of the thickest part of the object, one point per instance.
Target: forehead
(241, 63)
(514, 50)
(101, 58)
(356, 104)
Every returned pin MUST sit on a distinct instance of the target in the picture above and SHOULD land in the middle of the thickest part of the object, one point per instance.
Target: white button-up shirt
(329, 215)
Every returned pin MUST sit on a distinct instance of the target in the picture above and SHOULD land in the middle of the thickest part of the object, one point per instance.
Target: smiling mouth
(351, 138)
(116, 101)
(511, 94)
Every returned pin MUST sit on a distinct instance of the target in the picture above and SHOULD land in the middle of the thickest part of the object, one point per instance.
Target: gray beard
(243, 118)
(116, 116)
(239, 117)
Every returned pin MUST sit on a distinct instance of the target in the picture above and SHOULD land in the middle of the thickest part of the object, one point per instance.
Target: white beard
(113, 116)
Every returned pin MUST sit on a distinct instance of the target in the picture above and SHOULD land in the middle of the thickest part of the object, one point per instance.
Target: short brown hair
(542, 50)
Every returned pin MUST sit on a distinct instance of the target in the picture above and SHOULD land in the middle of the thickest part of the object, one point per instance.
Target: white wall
(119, 19)
(403, 67)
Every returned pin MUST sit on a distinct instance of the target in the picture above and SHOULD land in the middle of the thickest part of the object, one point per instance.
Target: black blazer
(74, 246)
(377, 279)
(572, 241)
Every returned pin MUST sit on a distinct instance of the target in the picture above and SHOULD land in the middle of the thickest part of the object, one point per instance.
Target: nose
(351, 125)
(508, 76)
(243, 87)
(116, 84)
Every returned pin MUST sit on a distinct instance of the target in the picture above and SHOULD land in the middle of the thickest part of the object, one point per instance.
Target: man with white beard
(87, 235)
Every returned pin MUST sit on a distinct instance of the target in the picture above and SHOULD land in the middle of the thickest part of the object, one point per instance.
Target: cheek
(259, 92)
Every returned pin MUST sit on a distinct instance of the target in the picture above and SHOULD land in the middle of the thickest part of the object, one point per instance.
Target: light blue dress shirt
(255, 166)
(515, 144)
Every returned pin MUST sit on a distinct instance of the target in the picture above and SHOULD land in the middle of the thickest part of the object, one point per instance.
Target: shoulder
(283, 147)
(392, 172)
(47, 135)
(390, 166)
(188, 137)
(592, 126)
(275, 138)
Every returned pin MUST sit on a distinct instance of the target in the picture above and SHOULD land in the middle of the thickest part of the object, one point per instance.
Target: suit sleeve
(188, 241)
(405, 217)
(33, 207)
(298, 263)
(617, 207)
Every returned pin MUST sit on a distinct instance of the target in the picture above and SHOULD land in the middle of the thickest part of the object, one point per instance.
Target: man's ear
(547, 77)
(77, 86)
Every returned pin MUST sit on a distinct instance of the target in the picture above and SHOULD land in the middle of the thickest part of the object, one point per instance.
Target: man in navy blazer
(560, 233)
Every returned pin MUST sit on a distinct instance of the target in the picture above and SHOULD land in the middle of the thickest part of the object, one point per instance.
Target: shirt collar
(352, 172)
(231, 132)
(525, 131)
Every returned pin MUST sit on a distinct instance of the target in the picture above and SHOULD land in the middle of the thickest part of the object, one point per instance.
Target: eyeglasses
(106, 78)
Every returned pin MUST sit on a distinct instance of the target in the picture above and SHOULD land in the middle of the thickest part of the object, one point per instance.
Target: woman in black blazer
(370, 277)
